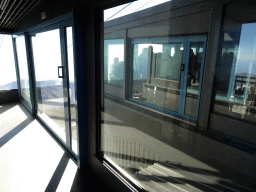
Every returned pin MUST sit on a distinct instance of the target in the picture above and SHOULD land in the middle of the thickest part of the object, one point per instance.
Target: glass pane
(156, 74)
(236, 78)
(23, 69)
(72, 90)
(49, 88)
(193, 78)
(143, 135)
(114, 62)
(7, 64)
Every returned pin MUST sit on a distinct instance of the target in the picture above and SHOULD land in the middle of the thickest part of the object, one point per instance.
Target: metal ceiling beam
(19, 10)
(2, 4)
(25, 12)
(4, 7)
(12, 14)
(7, 12)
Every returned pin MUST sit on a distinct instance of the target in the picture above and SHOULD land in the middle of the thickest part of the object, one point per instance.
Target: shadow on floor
(7, 137)
(84, 180)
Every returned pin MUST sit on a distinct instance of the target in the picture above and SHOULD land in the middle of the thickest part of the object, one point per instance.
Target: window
(114, 62)
(167, 73)
(23, 69)
(7, 65)
(236, 75)
(156, 73)
(152, 77)
(49, 85)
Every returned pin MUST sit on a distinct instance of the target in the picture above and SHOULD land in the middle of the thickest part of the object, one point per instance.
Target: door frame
(60, 23)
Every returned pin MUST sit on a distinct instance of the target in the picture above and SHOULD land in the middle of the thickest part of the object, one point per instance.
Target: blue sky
(246, 58)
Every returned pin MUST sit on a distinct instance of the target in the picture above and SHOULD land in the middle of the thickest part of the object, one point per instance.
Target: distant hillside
(12, 85)
(48, 89)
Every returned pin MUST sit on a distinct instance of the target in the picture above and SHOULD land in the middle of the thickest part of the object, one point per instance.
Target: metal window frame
(128, 75)
(29, 106)
(58, 23)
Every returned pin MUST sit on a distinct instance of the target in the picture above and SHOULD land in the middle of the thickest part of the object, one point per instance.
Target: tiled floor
(30, 159)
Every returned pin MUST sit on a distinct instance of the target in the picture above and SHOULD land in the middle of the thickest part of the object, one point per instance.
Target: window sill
(131, 183)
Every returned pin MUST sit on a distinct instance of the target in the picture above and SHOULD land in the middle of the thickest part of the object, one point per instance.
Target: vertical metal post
(30, 72)
(63, 41)
(128, 68)
(209, 69)
(16, 65)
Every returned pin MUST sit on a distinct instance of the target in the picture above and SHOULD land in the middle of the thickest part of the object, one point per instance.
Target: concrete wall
(8, 96)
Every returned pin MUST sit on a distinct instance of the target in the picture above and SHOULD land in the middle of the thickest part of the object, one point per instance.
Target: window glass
(193, 78)
(23, 69)
(49, 84)
(114, 62)
(156, 74)
(72, 91)
(7, 64)
(236, 77)
(142, 132)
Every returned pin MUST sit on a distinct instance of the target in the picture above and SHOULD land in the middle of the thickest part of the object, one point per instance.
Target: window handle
(60, 74)
(182, 68)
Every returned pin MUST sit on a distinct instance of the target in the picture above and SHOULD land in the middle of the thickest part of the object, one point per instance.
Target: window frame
(61, 23)
(125, 93)
(225, 28)
(28, 105)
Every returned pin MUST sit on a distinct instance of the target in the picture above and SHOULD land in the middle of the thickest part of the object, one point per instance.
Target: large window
(7, 66)
(49, 84)
(23, 69)
(236, 75)
(167, 73)
(55, 89)
(152, 80)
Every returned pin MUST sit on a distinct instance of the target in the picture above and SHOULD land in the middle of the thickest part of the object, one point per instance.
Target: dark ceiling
(14, 11)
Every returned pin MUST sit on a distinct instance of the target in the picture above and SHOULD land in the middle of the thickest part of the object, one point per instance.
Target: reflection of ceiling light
(130, 8)
(227, 37)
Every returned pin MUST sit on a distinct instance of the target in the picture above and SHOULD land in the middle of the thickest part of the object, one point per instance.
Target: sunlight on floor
(29, 160)
(68, 177)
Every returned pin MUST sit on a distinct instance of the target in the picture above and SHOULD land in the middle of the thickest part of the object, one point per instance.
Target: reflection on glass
(72, 88)
(156, 74)
(49, 87)
(236, 78)
(138, 135)
(7, 64)
(129, 8)
(23, 69)
(114, 62)
(193, 78)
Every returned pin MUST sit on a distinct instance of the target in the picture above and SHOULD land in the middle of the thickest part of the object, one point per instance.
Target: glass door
(20, 49)
(193, 76)
(167, 73)
(195, 63)
(49, 80)
(55, 82)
